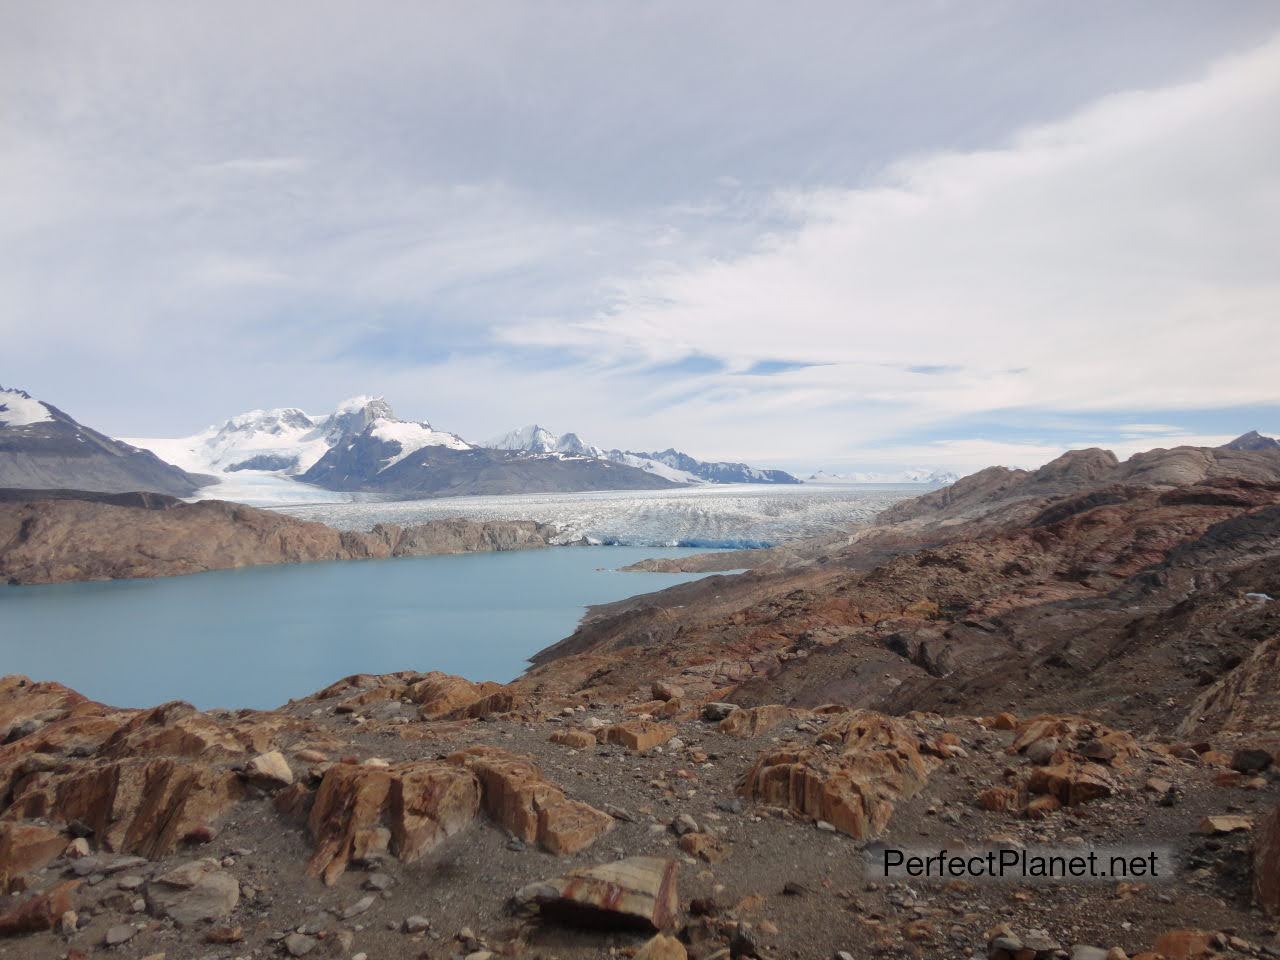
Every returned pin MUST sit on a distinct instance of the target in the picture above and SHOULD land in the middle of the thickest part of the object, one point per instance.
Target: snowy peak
(289, 442)
(922, 475)
(536, 439)
(354, 415)
(670, 464)
(41, 448)
(19, 409)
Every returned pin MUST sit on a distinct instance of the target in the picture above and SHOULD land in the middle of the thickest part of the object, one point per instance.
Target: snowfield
(712, 515)
(17, 409)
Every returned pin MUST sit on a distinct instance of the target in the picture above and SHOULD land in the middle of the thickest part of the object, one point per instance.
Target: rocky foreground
(109, 537)
(1071, 658)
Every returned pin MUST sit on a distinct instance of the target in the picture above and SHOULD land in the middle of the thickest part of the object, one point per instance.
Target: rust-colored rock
(639, 735)
(40, 912)
(1072, 783)
(662, 947)
(877, 763)
(25, 847)
(704, 846)
(520, 799)
(419, 802)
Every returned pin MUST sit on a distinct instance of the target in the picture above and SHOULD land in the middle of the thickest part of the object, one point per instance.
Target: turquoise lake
(259, 636)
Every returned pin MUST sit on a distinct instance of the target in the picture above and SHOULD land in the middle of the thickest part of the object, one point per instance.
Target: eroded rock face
(636, 891)
(420, 803)
(519, 798)
(877, 761)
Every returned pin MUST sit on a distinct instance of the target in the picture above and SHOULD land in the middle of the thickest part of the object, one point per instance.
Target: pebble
(121, 933)
(357, 908)
(416, 924)
(299, 944)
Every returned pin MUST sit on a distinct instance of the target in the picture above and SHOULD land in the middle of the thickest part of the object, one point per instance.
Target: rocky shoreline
(109, 537)
(1067, 659)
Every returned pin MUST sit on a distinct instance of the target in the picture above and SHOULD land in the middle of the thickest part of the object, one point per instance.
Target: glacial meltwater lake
(258, 636)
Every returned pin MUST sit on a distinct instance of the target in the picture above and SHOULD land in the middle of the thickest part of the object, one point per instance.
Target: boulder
(577, 739)
(270, 771)
(664, 690)
(639, 735)
(41, 912)
(637, 891)
(1185, 945)
(193, 892)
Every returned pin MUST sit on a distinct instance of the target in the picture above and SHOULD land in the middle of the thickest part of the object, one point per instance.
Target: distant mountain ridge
(669, 464)
(364, 447)
(923, 475)
(43, 447)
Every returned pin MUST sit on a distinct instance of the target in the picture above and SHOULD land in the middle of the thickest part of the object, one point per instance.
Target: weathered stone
(640, 735)
(1225, 824)
(578, 739)
(195, 891)
(637, 890)
(41, 912)
(717, 711)
(299, 944)
(120, 933)
(270, 771)
(755, 721)
(663, 690)
(703, 845)
(357, 908)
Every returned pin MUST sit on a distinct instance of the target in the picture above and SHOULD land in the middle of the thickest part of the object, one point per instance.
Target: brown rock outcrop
(877, 761)
(520, 799)
(419, 802)
(40, 912)
(755, 721)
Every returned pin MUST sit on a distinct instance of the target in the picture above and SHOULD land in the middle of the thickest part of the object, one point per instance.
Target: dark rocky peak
(1252, 440)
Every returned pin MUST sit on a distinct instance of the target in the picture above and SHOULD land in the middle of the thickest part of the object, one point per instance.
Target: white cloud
(1127, 257)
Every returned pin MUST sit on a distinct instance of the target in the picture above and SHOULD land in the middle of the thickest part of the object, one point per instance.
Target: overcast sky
(803, 234)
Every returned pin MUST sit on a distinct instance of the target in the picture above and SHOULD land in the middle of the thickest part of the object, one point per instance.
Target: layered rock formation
(55, 540)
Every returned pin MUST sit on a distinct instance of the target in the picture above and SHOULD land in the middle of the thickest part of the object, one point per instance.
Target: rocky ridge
(55, 540)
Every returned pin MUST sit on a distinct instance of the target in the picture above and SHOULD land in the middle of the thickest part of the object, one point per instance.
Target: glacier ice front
(713, 515)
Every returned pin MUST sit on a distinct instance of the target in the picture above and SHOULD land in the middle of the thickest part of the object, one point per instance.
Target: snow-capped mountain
(43, 448)
(669, 464)
(288, 441)
(536, 439)
(921, 475)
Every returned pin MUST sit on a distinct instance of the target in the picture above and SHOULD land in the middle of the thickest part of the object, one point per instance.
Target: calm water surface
(259, 636)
